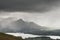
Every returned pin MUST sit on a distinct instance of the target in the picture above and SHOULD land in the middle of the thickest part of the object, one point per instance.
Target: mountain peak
(20, 20)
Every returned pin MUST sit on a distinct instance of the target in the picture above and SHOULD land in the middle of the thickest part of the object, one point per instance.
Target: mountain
(26, 27)
(32, 28)
(11, 25)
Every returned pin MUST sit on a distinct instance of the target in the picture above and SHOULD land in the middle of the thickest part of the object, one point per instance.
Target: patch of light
(23, 35)
(31, 35)
(55, 37)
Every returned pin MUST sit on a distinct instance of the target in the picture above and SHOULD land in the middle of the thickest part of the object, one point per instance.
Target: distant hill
(12, 26)
(20, 26)
(9, 37)
(27, 27)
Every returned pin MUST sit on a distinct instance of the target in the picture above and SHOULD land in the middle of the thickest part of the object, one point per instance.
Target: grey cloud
(27, 5)
(6, 25)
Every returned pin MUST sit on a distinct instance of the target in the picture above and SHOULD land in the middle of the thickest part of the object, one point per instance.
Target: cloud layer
(28, 5)
(42, 12)
(49, 19)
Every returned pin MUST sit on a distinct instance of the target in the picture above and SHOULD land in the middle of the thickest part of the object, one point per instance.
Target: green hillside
(9, 37)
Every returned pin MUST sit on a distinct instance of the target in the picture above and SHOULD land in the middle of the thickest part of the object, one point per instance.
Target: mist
(44, 14)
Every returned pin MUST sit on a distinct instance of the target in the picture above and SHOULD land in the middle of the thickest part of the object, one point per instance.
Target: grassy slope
(9, 37)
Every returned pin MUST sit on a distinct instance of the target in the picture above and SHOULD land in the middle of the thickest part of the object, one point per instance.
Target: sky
(42, 12)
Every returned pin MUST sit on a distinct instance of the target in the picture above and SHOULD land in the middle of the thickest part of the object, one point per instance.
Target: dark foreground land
(10, 37)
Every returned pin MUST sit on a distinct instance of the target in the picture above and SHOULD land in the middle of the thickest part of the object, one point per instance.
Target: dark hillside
(9, 37)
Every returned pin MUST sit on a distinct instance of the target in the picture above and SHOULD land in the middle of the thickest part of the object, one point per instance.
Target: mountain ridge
(27, 27)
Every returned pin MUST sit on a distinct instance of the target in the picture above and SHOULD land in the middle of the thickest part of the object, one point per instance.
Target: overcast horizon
(45, 13)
